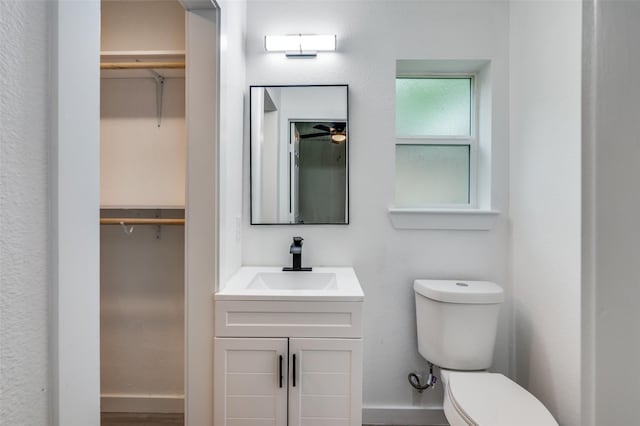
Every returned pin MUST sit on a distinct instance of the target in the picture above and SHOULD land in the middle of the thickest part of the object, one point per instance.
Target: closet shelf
(139, 221)
(155, 65)
(142, 64)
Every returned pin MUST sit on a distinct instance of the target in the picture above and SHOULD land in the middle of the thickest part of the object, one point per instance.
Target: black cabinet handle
(294, 370)
(280, 370)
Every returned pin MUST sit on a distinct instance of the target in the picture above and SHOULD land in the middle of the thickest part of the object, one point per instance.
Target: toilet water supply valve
(414, 380)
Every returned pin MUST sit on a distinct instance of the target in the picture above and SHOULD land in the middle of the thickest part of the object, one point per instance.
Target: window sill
(455, 219)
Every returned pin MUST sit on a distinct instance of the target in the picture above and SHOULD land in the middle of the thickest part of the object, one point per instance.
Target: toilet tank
(457, 322)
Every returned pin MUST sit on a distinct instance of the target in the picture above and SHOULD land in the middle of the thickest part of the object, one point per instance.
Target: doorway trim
(201, 212)
(74, 326)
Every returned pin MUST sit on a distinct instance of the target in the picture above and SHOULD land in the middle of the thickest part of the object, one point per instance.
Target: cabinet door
(249, 390)
(328, 382)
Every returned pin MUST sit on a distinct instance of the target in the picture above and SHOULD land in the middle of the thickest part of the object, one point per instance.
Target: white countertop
(321, 284)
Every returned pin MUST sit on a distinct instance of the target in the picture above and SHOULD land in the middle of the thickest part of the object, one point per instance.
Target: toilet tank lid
(460, 291)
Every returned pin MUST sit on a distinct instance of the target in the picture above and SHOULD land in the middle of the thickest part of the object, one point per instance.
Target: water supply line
(414, 380)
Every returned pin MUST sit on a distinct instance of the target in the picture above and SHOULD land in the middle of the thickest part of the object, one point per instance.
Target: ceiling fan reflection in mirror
(337, 131)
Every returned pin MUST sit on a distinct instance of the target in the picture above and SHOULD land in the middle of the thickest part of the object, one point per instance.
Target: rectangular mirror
(299, 155)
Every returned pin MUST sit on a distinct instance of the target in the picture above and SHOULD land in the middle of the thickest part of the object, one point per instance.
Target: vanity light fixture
(300, 45)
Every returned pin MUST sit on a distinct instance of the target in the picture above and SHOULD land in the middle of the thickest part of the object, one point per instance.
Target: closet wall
(142, 175)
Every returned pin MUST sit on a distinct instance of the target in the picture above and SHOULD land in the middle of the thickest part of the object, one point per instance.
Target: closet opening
(143, 157)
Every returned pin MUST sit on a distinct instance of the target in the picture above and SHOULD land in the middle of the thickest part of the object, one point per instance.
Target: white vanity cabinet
(288, 348)
(288, 381)
(251, 382)
(328, 387)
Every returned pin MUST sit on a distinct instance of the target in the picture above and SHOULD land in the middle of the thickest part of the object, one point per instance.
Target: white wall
(612, 200)
(141, 164)
(545, 78)
(24, 269)
(142, 25)
(232, 91)
(387, 260)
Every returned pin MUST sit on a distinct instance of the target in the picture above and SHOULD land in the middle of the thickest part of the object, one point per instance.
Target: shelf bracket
(159, 92)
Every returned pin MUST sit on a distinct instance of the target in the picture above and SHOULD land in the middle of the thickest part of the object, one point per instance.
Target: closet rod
(141, 65)
(139, 221)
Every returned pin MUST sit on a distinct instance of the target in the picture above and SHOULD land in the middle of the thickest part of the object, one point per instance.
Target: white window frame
(471, 140)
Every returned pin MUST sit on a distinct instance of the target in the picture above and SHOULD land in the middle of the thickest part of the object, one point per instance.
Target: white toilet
(457, 324)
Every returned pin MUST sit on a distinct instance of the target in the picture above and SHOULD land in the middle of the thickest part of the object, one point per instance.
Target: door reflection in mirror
(299, 155)
(318, 174)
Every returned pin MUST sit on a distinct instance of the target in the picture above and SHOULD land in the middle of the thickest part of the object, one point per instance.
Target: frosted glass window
(432, 174)
(433, 106)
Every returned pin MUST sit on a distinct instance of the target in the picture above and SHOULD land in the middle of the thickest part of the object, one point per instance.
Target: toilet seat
(489, 399)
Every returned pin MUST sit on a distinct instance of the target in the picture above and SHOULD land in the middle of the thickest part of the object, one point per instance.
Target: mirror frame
(348, 142)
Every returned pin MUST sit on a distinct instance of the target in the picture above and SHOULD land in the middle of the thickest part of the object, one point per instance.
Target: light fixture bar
(300, 45)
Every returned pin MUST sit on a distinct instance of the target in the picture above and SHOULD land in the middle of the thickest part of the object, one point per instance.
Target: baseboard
(422, 416)
(415, 416)
(120, 403)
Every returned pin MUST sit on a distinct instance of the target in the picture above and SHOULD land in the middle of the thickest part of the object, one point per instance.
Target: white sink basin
(293, 281)
(271, 283)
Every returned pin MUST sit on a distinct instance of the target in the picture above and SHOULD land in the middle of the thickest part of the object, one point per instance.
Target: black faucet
(296, 250)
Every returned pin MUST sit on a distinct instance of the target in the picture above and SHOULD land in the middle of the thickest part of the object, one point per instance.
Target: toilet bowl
(457, 324)
(490, 399)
